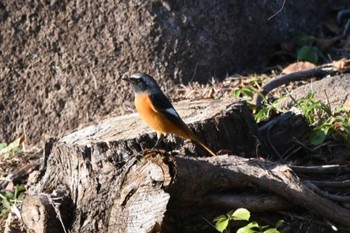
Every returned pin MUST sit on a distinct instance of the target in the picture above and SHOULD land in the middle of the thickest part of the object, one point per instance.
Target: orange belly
(157, 120)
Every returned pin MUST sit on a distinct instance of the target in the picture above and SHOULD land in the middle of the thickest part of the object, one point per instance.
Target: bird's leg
(160, 136)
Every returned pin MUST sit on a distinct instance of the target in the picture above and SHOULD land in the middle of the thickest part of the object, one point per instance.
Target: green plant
(246, 91)
(251, 86)
(249, 91)
(9, 200)
(11, 149)
(222, 223)
(266, 109)
(317, 114)
(306, 50)
(325, 121)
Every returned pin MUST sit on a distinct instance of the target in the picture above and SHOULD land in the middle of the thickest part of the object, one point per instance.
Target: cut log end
(47, 213)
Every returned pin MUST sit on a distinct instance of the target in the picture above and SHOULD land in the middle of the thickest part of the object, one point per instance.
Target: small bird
(156, 110)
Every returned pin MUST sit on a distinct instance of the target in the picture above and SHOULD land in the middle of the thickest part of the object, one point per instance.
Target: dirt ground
(61, 62)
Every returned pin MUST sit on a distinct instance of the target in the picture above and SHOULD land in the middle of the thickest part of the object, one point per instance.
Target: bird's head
(142, 83)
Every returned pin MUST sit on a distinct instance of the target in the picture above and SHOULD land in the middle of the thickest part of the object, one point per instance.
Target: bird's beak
(126, 79)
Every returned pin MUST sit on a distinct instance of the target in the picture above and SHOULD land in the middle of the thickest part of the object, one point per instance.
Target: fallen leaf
(298, 66)
(341, 64)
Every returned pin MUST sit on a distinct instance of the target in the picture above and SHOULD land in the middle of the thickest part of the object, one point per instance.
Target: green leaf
(241, 214)
(248, 91)
(305, 40)
(272, 230)
(220, 218)
(308, 53)
(3, 145)
(347, 128)
(6, 204)
(246, 230)
(221, 224)
(262, 114)
(249, 228)
(279, 223)
(236, 92)
(341, 118)
(318, 137)
(7, 155)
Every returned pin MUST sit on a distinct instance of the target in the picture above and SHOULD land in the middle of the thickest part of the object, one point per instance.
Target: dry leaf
(341, 65)
(298, 66)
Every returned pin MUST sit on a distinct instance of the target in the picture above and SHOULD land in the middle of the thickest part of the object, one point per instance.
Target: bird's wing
(163, 105)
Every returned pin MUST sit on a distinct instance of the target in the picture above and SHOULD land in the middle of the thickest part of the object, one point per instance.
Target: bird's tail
(200, 142)
(186, 132)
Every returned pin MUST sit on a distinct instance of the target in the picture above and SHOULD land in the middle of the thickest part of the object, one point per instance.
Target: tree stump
(110, 182)
(115, 183)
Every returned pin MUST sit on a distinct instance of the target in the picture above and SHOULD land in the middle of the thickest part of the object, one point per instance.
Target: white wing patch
(137, 75)
(172, 112)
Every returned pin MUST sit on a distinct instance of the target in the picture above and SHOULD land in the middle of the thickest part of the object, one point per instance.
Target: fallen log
(115, 184)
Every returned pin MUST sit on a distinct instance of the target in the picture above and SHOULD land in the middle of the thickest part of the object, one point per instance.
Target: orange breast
(157, 120)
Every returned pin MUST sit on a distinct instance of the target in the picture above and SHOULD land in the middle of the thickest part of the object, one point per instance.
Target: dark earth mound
(61, 62)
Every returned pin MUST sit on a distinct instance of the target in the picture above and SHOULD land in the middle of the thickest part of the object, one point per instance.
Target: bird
(156, 110)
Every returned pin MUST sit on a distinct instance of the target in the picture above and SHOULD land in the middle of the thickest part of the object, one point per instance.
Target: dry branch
(320, 71)
(224, 172)
(254, 202)
(323, 169)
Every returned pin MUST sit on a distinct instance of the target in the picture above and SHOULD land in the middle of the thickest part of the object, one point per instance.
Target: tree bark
(115, 184)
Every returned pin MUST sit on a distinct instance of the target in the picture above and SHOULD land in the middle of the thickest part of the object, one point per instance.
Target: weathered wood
(220, 123)
(198, 177)
(47, 213)
(115, 184)
(333, 91)
(281, 134)
(253, 202)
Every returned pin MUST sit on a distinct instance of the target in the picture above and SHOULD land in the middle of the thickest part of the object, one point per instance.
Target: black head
(142, 82)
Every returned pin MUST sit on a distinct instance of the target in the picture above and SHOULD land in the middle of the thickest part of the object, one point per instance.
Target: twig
(320, 71)
(22, 172)
(332, 197)
(346, 27)
(342, 13)
(292, 215)
(270, 142)
(324, 169)
(58, 213)
(279, 10)
(331, 184)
